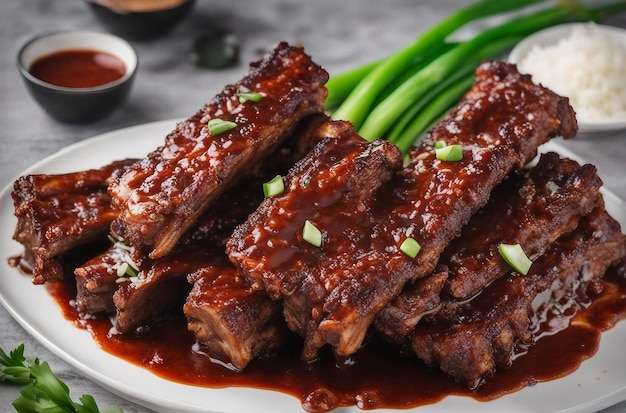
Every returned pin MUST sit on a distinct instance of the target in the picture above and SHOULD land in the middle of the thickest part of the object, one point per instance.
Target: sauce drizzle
(377, 376)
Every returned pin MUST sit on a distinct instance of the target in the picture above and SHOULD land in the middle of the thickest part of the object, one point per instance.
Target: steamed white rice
(588, 66)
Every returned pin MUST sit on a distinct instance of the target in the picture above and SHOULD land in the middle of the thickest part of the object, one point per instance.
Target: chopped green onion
(249, 96)
(218, 126)
(311, 234)
(449, 153)
(410, 247)
(440, 144)
(514, 255)
(274, 187)
(125, 269)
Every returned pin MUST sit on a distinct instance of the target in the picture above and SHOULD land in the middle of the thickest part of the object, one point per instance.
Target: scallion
(410, 247)
(449, 153)
(126, 270)
(274, 187)
(515, 256)
(440, 144)
(311, 234)
(249, 96)
(218, 126)
(399, 97)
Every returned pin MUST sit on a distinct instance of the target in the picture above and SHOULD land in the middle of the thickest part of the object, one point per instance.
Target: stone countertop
(339, 35)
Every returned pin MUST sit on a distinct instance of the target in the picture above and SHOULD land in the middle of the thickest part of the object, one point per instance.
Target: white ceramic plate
(598, 383)
(551, 36)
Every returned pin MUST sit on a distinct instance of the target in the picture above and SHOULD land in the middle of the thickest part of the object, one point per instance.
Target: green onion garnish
(410, 247)
(125, 269)
(440, 144)
(311, 234)
(274, 187)
(449, 153)
(249, 96)
(217, 126)
(514, 255)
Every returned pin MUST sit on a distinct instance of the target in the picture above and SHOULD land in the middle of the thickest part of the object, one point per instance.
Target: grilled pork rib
(331, 294)
(233, 323)
(165, 194)
(499, 123)
(57, 213)
(531, 208)
(483, 332)
(331, 187)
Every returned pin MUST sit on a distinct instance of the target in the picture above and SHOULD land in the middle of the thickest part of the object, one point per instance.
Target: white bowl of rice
(585, 62)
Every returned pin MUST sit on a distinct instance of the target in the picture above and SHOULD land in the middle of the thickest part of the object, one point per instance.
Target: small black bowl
(140, 25)
(84, 104)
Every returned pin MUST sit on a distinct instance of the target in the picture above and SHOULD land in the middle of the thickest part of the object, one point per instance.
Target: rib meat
(532, 209)
(165, 194)
(332, 294)
(331, 187)
(233, 323)
(202, 247)
(57, 213)
(499, 123)
(484, 332)
(153, 292)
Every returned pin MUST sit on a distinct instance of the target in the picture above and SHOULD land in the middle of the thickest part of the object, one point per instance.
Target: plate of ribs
(261, 256)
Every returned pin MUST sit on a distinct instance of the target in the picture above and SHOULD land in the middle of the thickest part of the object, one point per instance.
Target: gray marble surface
(338, 34)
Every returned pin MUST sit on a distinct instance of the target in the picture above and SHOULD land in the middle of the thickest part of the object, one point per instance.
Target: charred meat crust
(500, 123)
(168, 191)
(57, 213)
(531, 208)
(332, 294)
(485, 330)
(232, 323)
(331, 187)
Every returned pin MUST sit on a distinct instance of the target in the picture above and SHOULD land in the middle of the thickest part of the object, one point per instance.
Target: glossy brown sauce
(78, 68)
(376, 377)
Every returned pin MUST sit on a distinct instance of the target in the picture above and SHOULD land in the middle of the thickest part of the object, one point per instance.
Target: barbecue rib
(531, 209)
(331, 188)
(332, 294)
(57, 213)
(484, 332)
(233, 323)
(166, 193)
(153, 292)
(97, 280)
(202, 247)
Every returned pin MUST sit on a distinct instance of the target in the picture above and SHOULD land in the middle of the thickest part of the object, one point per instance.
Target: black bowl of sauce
(80, 76)
(140, 19)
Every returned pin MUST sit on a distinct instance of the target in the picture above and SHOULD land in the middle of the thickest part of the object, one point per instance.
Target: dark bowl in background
(140, 25)
(77, 105)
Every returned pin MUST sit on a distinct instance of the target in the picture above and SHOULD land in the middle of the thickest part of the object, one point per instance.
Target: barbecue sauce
(378, 376)
(78, 68)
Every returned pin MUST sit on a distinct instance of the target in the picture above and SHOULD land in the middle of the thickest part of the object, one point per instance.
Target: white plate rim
(599, 382)
(550, 36)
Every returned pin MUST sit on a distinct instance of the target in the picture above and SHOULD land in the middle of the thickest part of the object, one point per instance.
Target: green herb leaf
(449, 153)
(274, 187)
(410, 247)
(42, 391)
(311, 234)
(249, 96)
(218, 126)
(515, 256)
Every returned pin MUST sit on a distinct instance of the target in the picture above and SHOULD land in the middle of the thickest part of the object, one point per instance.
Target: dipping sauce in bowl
(80, 76)
(78, 68)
